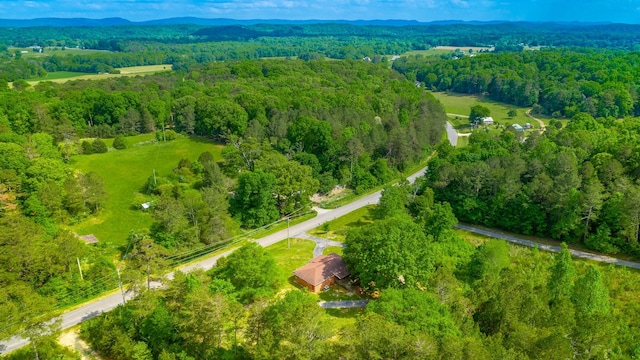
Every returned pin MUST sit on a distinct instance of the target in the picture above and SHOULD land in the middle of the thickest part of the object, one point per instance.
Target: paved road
(109, 302)
(344, 304)
(452, 134)
(517, 240)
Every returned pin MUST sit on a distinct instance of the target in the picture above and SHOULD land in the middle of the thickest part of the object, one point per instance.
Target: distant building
(88, 239)
(321, 271)
(518, 128)
(146, 205)
(395, 57)
(487, 120)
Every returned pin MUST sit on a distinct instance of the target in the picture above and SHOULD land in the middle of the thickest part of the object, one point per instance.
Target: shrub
(168, 135)
(119, 142)
(99, 146)
(86, 148)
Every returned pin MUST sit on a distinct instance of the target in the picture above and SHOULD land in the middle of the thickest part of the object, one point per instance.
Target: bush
(168, 135)
(86, 148)
(119, 142)
(99, 146)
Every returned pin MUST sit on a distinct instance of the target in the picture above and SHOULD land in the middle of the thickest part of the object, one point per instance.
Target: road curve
(520, 241)
(109, 302)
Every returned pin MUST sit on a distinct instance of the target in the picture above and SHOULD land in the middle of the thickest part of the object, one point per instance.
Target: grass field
(58, 75)
(337, 229)
(49, 51)
(461, 104)
(439, 50)
(64, 76)
(124, 173)
(299, 254)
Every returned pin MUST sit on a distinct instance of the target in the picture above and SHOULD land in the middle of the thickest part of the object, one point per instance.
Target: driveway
(343, 304)
(321, 243)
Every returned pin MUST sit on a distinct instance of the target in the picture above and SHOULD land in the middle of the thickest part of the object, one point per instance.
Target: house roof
(322, 268)
(88, 239)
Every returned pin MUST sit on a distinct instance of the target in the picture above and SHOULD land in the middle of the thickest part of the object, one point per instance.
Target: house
(518, 127)
(146, 205)
(321, 271)
(487, 120)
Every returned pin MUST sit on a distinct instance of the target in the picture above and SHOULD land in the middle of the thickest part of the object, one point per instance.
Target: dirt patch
(337, 192)
(71, 339)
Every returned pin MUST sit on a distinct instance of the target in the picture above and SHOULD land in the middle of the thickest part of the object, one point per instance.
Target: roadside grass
(282, 224)
(463, 141)
(124, 173)
(336, 230)
(461, 104)
(348, 195)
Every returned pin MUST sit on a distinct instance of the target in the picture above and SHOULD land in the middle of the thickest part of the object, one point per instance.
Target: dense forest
(184, 45)
(556, 82)
(436, 297)
(578, 184)
(291, 129)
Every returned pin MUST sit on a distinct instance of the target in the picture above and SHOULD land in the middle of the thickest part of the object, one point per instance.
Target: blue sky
(625, 11)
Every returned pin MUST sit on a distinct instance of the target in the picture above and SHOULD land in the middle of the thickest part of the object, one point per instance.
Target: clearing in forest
(458, 107)
(125, 172)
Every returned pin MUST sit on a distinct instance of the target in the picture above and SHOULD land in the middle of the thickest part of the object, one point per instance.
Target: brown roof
(322, 268)
(89, 239)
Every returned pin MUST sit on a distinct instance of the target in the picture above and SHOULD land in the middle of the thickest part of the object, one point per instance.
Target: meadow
(458, 107)
(64, 76)
(124, 173)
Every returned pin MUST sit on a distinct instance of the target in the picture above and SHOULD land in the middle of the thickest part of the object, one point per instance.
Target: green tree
(477, 113)
(563, 275)
(147, 259)
(389, 253)
(294, 182)
(489, 259)
(253, 203)
(393, 202)
(252, 271)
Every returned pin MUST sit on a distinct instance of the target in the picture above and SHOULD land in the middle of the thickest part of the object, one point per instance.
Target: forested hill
(556, 82)
(422, 35)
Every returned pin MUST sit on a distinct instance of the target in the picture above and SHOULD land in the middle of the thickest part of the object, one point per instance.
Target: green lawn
(461, 104)
(124, 173)
(289, 259)
(337, 229)
(463, 141)
(332, 249)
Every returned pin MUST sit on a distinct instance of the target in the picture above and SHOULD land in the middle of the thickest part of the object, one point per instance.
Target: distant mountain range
(83, 22)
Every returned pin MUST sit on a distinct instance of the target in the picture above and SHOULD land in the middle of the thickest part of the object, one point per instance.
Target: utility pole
(80, 269)
(288, 240)
(124, 301)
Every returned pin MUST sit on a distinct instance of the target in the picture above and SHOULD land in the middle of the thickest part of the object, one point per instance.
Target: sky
(622, 11)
